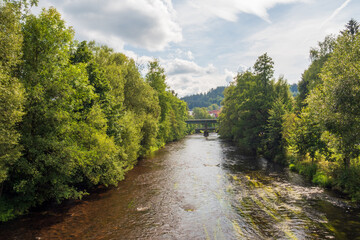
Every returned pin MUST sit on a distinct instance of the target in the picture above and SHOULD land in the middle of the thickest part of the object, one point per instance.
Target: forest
(213, 96)
(317, 132)
(73, 115)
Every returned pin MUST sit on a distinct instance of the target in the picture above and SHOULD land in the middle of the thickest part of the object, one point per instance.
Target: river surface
(198, 188)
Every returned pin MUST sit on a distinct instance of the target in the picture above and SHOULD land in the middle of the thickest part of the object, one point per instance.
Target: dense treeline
(317, 133)
(73, 115)
(213, 96)
(253, 105)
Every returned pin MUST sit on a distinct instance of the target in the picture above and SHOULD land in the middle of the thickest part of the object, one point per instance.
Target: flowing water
(198, 188)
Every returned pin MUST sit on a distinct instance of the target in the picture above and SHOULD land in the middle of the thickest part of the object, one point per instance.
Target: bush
(320, 178)
(347, 180)
(292, 167)
(307, 169)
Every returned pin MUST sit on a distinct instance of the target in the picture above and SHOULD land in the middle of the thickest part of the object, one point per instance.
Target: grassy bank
(331, 175)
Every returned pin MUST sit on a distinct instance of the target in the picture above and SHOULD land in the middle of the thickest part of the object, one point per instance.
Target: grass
(331, 175)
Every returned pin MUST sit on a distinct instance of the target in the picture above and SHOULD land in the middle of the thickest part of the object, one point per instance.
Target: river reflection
(198, 188)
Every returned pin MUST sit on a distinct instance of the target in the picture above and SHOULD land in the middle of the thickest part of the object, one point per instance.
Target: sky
(202, 44)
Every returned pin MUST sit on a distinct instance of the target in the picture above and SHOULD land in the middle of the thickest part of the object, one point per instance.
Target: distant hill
(294, 89)
(214, 96)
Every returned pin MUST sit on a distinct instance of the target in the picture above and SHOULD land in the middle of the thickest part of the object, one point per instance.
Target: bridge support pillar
(206, 131)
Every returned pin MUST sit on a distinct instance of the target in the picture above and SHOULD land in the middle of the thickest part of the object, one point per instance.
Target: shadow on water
(198, 188)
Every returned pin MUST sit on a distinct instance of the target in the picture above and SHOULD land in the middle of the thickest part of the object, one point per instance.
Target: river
(197, 188)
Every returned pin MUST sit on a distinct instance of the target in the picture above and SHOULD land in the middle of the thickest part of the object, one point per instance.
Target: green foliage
(336, 102)
(156, 77)
(10, 37)
(254, 108)
(11, 90)
(305, 168)
(322, 179)
(273, 143)
(173, 110)
(307, 137)
(348, 181)
(24, 5)
(201, 113)
(245, 112)
(326, 129)
(352, 28)
(213, 106)
(292, 167)
(321, 138)
(64, 137)
(264, 69)
(87, 117)
(310, 78)
(11, 106)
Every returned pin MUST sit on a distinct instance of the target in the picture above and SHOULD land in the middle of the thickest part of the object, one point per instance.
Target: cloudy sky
(203, 43)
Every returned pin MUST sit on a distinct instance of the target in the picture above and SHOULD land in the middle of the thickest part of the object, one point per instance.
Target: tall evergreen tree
(352, 27)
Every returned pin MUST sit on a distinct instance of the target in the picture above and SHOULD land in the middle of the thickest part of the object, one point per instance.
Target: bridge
(205, 123)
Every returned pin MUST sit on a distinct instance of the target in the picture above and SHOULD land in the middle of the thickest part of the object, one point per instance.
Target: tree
(11, 90)
(254, 107)
(264, 69)
(63, 132)
(173, 110)
(246, 110)
(156, 77)
(274, 143)
(213, 106)
(227, 117)
(22, 5)
(337, 101)
(352, 27)
(307, 138)
(201, 113)
(310, 79)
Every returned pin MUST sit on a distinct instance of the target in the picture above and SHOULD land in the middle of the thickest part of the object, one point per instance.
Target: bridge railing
(201, 121)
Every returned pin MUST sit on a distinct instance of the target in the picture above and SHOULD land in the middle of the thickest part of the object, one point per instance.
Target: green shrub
(320, 178)
(6, 212)
(307, 169)
(292, 167)
(348, 181)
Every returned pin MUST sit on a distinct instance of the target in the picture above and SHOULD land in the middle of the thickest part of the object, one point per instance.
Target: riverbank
(331, 175)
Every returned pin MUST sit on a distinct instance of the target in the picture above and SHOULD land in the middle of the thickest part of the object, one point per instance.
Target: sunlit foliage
(88, 114)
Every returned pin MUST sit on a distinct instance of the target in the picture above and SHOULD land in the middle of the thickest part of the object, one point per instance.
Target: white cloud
(147, 24)
(197, 60)
(288, 41)
(229, 75)
(187, 77)
(200, 11)
(186, 85)
(180, 66)
(178, 53)
(189, 54)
